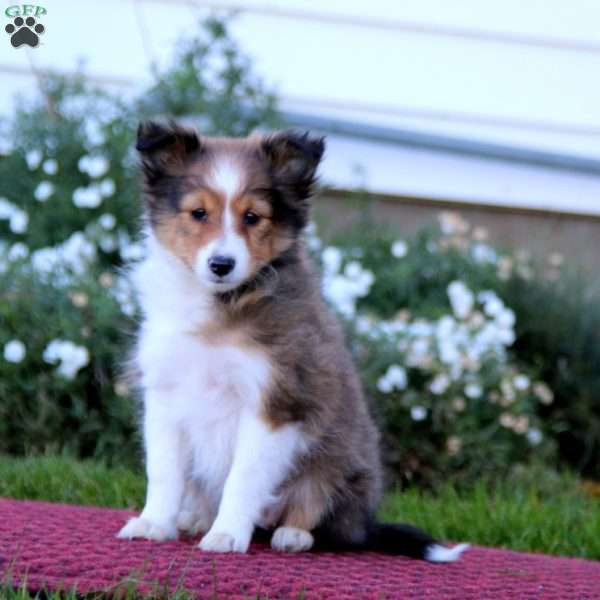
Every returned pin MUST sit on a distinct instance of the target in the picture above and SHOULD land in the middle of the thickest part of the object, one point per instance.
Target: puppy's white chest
(205, 380)
(204, 388)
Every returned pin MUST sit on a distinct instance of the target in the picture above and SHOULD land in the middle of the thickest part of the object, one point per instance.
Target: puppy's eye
(199, 214)
(251, 218)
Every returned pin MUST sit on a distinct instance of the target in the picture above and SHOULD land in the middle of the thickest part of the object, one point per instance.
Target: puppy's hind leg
(306, 504)
(195, 515)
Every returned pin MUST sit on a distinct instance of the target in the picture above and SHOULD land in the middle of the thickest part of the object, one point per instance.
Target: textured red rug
(58, 546)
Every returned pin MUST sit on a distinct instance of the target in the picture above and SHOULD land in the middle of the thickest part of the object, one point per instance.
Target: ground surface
(538, 511)
(53, 545)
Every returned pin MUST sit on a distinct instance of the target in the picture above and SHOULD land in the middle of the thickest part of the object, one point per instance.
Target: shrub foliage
(476, 359)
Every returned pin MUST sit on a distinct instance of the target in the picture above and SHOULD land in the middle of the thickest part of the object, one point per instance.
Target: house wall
(575, 236)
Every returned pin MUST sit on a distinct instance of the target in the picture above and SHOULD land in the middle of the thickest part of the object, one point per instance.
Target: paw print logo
(24, 31)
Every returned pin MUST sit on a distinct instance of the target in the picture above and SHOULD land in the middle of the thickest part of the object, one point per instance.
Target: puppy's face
(226, 207)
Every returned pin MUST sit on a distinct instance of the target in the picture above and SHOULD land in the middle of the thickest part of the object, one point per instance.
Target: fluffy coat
(253, 412)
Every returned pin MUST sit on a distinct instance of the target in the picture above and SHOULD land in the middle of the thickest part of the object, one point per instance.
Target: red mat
(59, 546)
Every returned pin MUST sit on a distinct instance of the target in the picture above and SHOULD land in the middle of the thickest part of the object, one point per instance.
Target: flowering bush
(69, 210)
(59, 380)
(451, 394)
(555, 304)
(464, 370)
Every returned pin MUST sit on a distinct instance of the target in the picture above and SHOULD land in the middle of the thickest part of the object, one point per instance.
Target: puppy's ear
(164, 148)
(294, 158)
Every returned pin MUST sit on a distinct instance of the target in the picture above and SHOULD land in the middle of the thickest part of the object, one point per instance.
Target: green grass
(126, 593)
(520, 517)
(538, 511)
(59, 479)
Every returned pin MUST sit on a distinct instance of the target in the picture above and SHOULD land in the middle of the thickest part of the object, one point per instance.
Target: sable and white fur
(253, 412)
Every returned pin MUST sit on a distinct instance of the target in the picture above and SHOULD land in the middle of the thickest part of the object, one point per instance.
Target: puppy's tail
(398, 539)
(410, 541)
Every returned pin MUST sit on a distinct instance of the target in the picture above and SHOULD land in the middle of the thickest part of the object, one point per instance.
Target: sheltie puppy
(253, 410)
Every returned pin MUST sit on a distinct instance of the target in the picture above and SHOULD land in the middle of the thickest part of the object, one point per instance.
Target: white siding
(421, 64)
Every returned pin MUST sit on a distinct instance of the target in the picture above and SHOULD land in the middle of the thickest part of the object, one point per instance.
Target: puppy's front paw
(292, 539)
(215, 541)
(137, 527)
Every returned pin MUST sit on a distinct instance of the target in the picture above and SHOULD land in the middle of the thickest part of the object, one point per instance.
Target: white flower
(482, 253)
(71, 358)
(93, 132)
(461, 299)
(128, 308)
(332, 259)
(108, 243)
(343, 290)
(18, 251)
(364, 282)
(418, 354)
(418, 413)
(6, 145)
(87, 197)
(493, 307)
(452, 223)
(19, 221)
(440, 384)
(107, 187)
(396, 375)
(340, 292)
(445, 326)
(45, 260)
(473, 390)
(363, 324)
(107, 221)
(449, 353)
(50, 166)
(132, 252)
(94, 166)
(534, 436)
(506, 318)
(456, 371)
(399, 248)
(543, 392)
(77, 251)
(122, 291)
(421, 328)
(312, 239)
(74, 255)
(14, 351)
(43, 191)
(353, 270)
(508, 391)
(506, 336)
(521, 382)
(384, 385)
(33, 158)
(7, 209)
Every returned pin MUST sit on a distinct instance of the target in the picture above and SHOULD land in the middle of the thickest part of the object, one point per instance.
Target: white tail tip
(441, 554)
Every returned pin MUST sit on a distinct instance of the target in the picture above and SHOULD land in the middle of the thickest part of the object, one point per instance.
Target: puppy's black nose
(221, 265)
